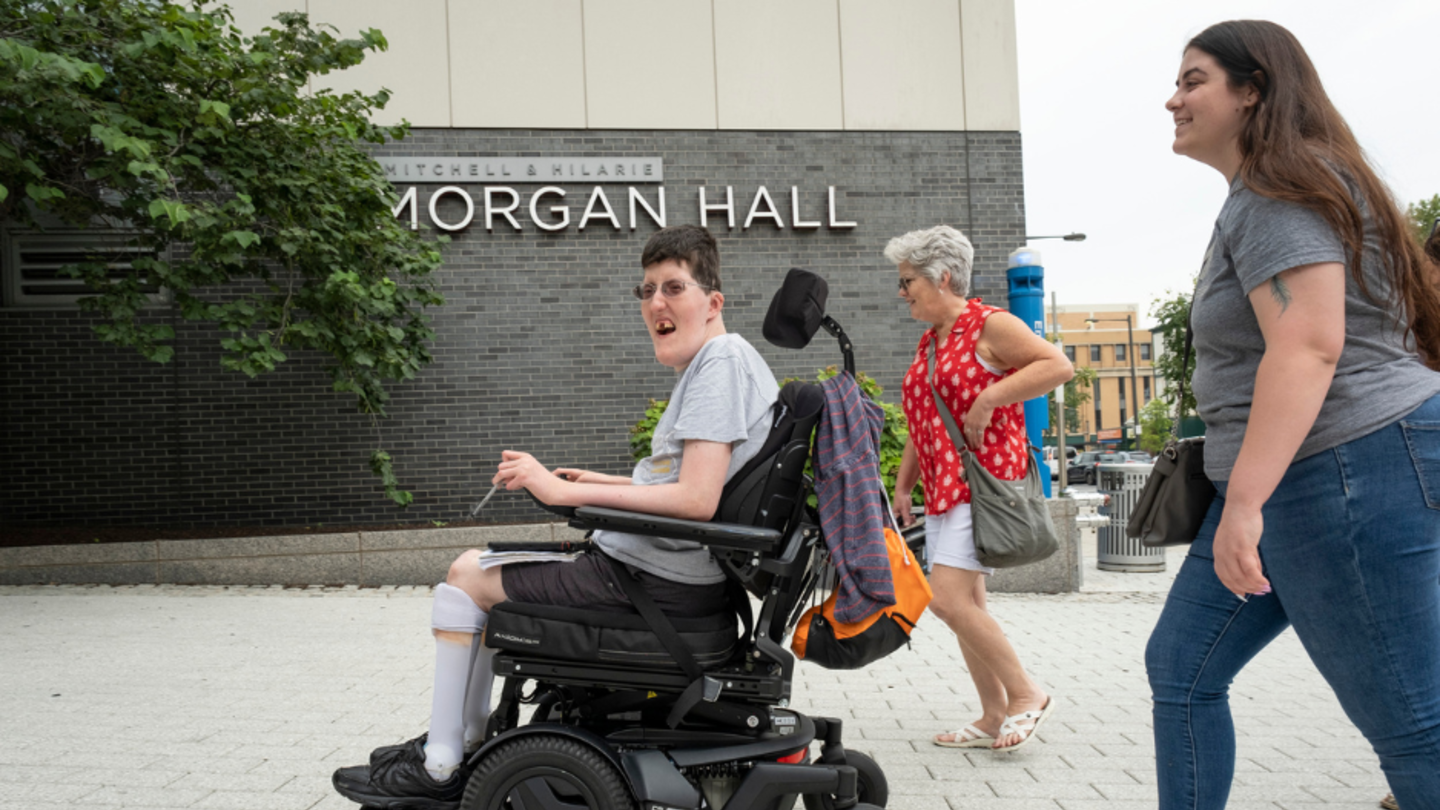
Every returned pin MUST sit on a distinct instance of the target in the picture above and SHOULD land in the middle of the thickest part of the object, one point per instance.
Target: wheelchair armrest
(720, 535)
(562, 511)
(551, 546)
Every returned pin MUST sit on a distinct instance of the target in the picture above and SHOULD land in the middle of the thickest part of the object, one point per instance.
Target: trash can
(1113, 550)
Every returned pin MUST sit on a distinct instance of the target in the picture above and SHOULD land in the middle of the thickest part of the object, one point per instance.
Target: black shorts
(589, 582)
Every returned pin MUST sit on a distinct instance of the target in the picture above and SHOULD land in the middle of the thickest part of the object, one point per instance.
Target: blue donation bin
(1027, 302)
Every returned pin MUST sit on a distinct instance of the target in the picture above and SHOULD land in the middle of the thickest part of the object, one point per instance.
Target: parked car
(1082, 469)
(1053, 461)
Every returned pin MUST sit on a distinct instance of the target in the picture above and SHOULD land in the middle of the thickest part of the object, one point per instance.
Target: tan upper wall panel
(517, 64)
(681, 64)
(902, 65)
(650, 64)
(253, 15)
(778, 64)
(992, 80)
(415, 69)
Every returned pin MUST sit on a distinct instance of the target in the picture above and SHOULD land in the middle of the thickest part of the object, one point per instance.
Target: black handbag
(1010, 520)
(1177, 495)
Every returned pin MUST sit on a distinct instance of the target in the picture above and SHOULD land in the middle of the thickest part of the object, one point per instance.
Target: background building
(813, 131)
(1096, 336)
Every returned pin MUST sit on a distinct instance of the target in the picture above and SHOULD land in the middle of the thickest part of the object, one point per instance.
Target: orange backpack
(841, 645)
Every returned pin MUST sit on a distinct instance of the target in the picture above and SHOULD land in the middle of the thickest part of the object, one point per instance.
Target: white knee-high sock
(455, 612)
(477, 694)
(444, 748)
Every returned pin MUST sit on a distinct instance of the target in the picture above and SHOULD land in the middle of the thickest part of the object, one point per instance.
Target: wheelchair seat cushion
(583, 635)
(588, 582)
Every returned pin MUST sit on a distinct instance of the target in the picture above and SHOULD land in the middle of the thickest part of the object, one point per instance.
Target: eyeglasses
(904, 285)
(669, 289)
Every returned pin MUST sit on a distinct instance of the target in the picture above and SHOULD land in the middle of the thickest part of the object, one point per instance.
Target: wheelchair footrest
(767, 781)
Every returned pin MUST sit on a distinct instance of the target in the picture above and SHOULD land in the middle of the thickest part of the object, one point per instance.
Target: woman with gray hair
(983, 363)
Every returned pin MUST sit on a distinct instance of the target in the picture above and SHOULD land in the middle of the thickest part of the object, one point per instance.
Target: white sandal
(968, 737)
(1016, 724)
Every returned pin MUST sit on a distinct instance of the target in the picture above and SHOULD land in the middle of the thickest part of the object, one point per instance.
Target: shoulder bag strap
(956, 438)
(1184, 364)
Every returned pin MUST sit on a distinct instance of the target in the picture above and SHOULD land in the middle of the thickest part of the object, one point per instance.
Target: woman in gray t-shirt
(1317, 327)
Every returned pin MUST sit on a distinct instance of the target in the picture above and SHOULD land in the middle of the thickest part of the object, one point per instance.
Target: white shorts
(950, 540)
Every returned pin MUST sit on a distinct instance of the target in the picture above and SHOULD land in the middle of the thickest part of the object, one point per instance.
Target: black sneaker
(386, 753)
(397, 779)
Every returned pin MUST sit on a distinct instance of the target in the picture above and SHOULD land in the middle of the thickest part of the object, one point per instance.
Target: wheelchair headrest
(796, 310)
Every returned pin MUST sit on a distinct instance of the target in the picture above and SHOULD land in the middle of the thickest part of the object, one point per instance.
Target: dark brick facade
(540, 346)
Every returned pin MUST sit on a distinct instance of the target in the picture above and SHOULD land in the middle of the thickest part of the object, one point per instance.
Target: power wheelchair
(663, 713)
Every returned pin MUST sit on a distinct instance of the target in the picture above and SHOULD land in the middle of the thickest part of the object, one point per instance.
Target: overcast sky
(1094, 77)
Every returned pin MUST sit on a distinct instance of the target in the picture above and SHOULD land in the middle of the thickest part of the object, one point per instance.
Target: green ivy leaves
(383, 466)
(165, 118)
(27, 61)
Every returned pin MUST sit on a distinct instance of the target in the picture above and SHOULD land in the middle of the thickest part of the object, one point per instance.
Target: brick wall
(539, 346)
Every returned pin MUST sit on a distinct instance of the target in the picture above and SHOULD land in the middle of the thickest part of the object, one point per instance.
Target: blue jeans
(1352, 550)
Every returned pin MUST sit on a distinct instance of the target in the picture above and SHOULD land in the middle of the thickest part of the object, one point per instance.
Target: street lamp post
(1130, 351)
(1060, 442)
(1062, 474)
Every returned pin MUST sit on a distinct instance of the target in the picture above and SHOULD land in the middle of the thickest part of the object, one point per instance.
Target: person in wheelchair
(717, 420)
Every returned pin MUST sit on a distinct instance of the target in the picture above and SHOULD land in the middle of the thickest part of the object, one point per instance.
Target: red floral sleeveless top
(959, 379)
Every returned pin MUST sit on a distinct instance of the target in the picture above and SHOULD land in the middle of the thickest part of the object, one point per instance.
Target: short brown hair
(691, 244)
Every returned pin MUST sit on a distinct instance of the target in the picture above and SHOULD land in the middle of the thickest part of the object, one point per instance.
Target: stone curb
(409, 557)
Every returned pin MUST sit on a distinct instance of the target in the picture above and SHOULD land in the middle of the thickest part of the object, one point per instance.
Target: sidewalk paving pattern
(246, 698)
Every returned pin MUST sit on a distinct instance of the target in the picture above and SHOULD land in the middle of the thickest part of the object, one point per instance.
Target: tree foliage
(1422, 216)
(1155, 424)
(1077, 393)
(268, 218)
(1171, 316)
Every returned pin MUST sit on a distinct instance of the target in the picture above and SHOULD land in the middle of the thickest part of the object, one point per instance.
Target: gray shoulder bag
(1010, 519)
(1178, 493)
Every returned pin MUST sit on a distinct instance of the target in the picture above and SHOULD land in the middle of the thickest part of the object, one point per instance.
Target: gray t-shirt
(1377, 380)
(723, 396)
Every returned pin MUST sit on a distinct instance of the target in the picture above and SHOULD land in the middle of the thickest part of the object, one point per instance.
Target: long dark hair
(1295, 147)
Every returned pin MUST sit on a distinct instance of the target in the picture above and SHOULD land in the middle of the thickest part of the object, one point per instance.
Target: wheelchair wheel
(870, 784)
(546, 772)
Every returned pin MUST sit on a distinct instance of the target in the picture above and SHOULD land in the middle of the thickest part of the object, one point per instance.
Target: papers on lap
(490, 559)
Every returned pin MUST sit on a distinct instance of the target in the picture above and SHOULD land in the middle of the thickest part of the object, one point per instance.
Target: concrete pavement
(246, 698)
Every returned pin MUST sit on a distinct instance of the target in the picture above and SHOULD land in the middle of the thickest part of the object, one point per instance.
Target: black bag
(1178, 493)
(1175, 498)
(1010, 519)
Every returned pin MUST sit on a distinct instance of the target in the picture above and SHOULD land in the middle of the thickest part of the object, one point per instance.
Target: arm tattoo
(1280, 293)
